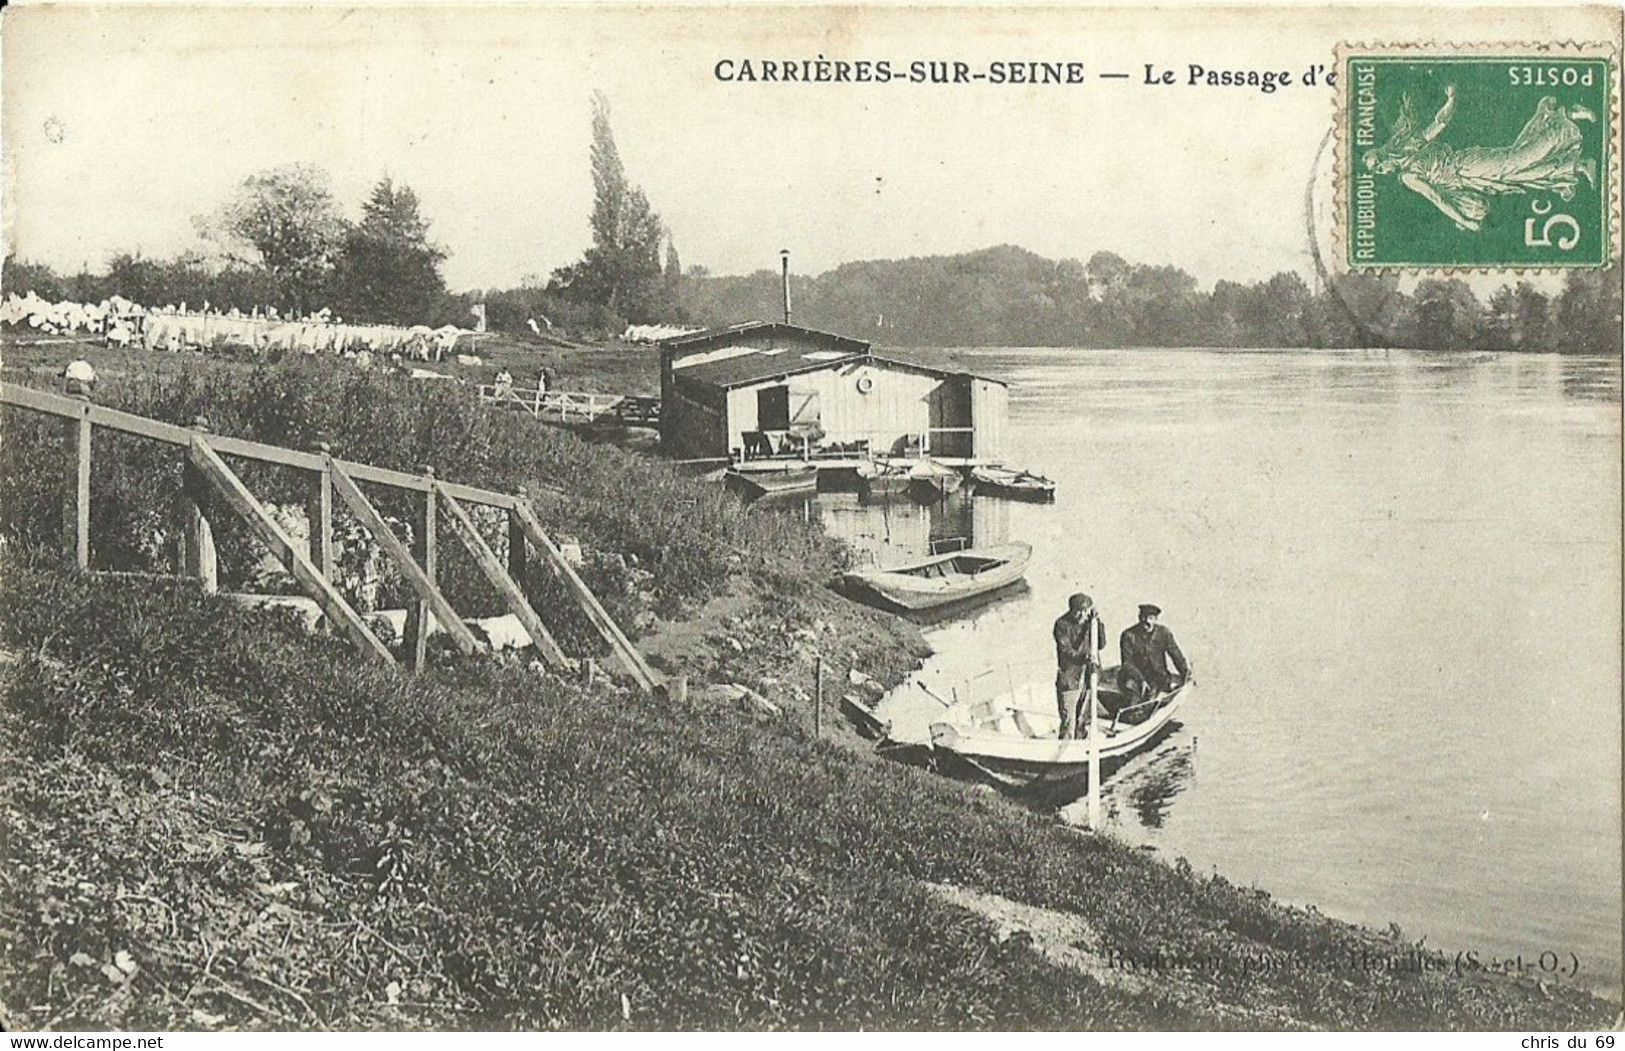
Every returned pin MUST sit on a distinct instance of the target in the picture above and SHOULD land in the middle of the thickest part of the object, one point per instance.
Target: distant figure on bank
(1079, 636)
(78, 379)
(1146, 649)
(504, 383)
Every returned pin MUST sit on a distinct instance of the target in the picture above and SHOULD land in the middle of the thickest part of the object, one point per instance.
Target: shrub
(688, 535)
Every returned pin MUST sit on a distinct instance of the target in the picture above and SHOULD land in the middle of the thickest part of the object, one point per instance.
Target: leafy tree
(137, 279)
(1588, 312)
(21, 278)
(288, 221)
(388, 269)
(674, 279)
(1445, 315)
(1519, 318)
(622, 269)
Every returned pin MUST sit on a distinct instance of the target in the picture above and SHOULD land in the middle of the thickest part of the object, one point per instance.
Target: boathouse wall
(864, 402)
(772, 388)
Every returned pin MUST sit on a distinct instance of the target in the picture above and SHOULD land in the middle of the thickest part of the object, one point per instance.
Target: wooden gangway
(575, 408)
(212, 489)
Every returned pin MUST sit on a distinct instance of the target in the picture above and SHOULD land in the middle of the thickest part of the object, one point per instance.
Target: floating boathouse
(770, 389)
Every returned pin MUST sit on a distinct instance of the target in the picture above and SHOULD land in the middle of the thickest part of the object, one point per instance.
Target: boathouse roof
(728, 358)
(723, 337)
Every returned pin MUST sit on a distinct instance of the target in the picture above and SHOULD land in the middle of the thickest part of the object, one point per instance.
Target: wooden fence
(575, 407)
(206, 474)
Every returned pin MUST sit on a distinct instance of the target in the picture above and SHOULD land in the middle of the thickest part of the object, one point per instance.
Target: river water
(1397, 577)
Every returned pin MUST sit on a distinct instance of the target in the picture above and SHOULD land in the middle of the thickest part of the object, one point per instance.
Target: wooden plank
(214, 471)
(80, 529)
(517, 562)
(428, 593)
(622, 647)
(319, 515)
(511, 594)
(199, 560)
(424, 547)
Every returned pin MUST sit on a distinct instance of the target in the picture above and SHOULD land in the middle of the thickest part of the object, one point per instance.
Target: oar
(1091, 690)
(933, 695)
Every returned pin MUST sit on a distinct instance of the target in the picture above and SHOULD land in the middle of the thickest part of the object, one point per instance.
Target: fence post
(423, 550)
(76, 515)
(518, 554)
(319, 515)
(818, 698)
(199, 559)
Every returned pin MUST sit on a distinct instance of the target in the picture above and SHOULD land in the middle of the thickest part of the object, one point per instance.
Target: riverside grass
(276, 836)
(212, 820)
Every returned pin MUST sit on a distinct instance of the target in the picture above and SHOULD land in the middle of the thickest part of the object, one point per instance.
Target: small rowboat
(930, 480)
(769, 478)
(879, 477)
(925, 479)
(1019, 485)
(1012, 738)
(944, 579)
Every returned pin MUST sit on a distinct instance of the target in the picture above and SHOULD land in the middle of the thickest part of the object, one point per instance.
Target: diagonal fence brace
(506, 586)
(251, 511)
(426, 589)
(619, 644)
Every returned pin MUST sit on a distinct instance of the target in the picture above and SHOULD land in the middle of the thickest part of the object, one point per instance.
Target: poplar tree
(622, 268)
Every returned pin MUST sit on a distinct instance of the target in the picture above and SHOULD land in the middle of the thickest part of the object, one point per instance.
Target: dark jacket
(1149, 651)
(1072, 648)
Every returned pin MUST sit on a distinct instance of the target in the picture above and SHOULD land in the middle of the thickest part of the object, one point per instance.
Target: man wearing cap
(1146, 649)
(1075, 654)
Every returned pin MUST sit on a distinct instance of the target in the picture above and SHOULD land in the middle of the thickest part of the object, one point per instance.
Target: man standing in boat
(1146, 649)
(1076, 652)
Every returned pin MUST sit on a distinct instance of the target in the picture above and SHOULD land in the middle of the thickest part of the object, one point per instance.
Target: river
(1397, 577)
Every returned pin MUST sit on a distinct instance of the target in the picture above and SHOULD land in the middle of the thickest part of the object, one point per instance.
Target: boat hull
(774, 480)
(904, 590)
(1016, 745)
(1014, 486)
(934, 486)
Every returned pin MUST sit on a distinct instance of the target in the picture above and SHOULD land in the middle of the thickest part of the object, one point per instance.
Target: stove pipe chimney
(784, 258)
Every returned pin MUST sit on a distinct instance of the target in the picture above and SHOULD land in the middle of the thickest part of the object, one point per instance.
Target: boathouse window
(773, 409)
(804, 421)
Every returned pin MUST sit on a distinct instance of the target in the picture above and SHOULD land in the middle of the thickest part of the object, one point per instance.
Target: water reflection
(885, 530)
(1165, 775)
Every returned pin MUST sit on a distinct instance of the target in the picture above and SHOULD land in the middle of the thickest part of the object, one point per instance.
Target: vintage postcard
(609, 517)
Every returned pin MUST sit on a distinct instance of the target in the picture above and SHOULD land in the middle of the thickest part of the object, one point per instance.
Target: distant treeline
(1003, 296)
(1007, 296)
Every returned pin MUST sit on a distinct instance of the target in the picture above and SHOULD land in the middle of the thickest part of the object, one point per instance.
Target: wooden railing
(575, 407)
(206, 474)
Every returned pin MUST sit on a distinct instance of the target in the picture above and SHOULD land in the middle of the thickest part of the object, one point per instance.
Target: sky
(121, 125)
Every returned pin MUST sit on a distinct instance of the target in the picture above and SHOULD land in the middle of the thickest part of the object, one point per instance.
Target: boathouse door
(989, 402)
(773, 409)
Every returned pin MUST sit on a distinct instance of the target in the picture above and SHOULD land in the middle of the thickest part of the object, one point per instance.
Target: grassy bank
(211, 819)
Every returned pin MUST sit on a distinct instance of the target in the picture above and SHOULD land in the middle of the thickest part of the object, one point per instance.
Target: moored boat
(925, 478)
(1008, 482)
(766, 478)
(1012, 738)
(943, 579)
(931, 480)
(882, 477)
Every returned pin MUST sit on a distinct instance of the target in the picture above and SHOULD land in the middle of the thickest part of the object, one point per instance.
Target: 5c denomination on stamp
(1458, 158)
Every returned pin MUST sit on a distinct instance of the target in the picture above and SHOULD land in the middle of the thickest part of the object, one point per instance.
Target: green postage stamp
(1478, 158)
